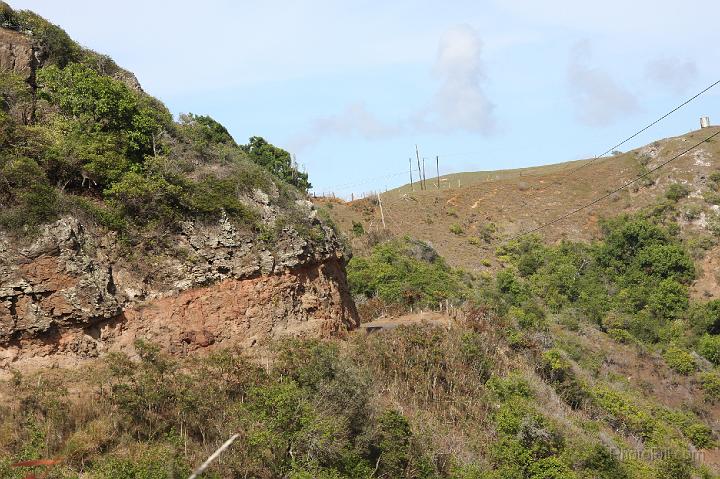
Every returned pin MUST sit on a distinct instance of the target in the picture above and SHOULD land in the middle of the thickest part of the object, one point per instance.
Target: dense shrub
(57, 44)
(710, 383)
(101, 103)
(709, 346)
(405, 271)
(676, 192)
(638, 270)
(680, 360)
(25, 197)
(705, 318)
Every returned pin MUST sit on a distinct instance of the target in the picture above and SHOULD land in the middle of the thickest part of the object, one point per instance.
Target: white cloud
(672, 73)
(354, 120)
(459, 103)
(598, 99)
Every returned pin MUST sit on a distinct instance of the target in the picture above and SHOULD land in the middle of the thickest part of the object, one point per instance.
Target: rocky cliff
(69, 294)
(17, 54)
(207, 245)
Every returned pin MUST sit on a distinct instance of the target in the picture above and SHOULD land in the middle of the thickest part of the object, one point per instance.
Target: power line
(613, 148)
(609, 150)
(598, 200)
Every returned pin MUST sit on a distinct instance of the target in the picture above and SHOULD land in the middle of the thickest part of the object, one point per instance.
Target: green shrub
(406, 272)
(677, 465)
(705, 318)
(211, 197)
(277, 161)
(456, 229)
(624, 412)
(529, 316)
(700, 435)
(711, 197)
(620, 335)
(676, 192)
(527, 444)
(709, 346)
(692, 212)
(557, 370)
(25, 197)
(104, 104)
(357, 228)
(393, 444)
(669, 299)
(146, 198)
(602, 463)
(513, 291)
(510, 386)
(680, 360)
(710, 383)
(57, 44)
(666, 261)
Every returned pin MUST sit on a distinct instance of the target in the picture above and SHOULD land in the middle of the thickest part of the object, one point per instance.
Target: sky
(350, 87)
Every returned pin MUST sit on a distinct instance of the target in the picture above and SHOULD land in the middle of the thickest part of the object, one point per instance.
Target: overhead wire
(571, 172)
(605, 196)
(642, 130)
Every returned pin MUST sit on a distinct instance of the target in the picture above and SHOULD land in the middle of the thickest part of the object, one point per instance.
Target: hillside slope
(467, 224)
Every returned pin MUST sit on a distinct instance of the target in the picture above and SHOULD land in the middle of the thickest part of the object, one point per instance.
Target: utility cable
(598, 200)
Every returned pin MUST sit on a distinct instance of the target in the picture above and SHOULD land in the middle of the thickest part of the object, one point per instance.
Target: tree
(277, 161)
(102, 104)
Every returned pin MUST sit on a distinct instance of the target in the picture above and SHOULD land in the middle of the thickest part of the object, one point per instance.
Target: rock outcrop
(17, 54)
(70, 295)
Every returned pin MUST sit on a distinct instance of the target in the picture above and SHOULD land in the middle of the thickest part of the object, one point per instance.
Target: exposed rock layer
(68, 295)
(17, 54)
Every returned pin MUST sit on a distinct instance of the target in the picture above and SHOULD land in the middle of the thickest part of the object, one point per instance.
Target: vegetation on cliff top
(84, 139)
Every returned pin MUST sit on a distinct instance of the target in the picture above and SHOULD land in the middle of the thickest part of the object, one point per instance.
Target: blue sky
(350, 87)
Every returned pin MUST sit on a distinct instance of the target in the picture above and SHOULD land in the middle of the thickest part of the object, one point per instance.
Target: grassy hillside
(467, 224)
(567, 364)
(469, 178)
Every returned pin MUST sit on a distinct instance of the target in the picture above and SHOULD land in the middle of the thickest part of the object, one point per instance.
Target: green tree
(277, 161)
(102, 104)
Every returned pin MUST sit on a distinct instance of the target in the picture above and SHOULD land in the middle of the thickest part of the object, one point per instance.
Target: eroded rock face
(17, 54)
(53, 283)
(67, 295)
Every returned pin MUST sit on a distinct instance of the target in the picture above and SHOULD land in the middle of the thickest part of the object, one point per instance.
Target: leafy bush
(680, 360)
(624, 412)
(669, 299)
(357, 228)
(394, 444)
(710, 383)
(709, 346)
(705, 318)
(146, 198)
(666, 261)
(676, 192)
(456, 229)
(407, 272)
(677, 465)
(25, 197)
(103, 104)
(511, 386)
(58, 45)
